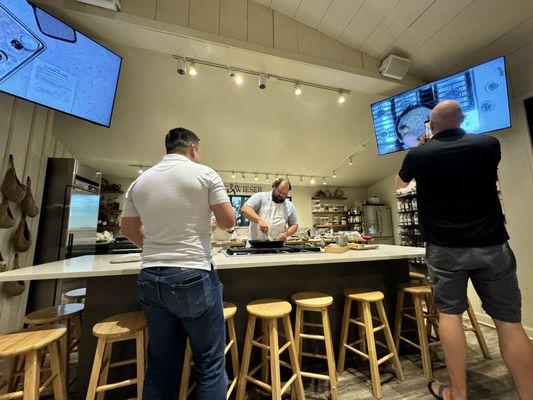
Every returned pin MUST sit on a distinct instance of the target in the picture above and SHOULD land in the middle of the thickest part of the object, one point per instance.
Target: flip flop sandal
(440, 394)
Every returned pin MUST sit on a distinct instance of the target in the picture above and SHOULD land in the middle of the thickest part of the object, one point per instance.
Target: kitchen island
(111, 287)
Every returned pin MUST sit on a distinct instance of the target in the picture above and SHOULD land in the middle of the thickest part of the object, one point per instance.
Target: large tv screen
(399, 121)
(50, 63)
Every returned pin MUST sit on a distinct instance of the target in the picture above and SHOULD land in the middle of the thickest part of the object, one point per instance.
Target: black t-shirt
(456, 178)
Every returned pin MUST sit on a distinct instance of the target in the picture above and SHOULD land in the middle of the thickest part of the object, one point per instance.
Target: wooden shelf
(407, 211)
(330, 226)
(329, 212)
(405, 196)
(111, 192)
(329, 198)
(109, 210)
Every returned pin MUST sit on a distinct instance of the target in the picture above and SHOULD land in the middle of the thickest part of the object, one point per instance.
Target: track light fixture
(182, 66)
(192, 69)
(262, 81)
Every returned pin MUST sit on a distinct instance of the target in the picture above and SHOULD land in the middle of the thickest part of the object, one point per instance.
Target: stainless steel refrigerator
(68, 223)
(377, 220)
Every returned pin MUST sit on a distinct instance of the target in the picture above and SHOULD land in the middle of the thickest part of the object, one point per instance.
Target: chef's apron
(274, 215)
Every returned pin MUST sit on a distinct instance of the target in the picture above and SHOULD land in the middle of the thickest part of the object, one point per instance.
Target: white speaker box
(113, 5)
(394, 67)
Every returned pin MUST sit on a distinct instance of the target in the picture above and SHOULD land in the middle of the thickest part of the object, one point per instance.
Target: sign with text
(233, 189)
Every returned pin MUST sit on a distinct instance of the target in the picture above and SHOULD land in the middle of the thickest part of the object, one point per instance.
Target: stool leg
(105, 370)
(298, 327)
(16, 367)
(398, 319)
(245, 366)
(344, 334)
(234, 352)
(274, 359)
(97, 365)
(477, 331)
(265, 369)
(186, 372)
(372, 354)
(390, 341)
(294, 359)
(362, 335)
(65, 351)
(422, 337)
(139, 339)
(60, 389)
(329, 353)
(31, 376)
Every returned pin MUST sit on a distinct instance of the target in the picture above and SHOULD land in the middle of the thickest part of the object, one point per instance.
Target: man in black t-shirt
(462, 221)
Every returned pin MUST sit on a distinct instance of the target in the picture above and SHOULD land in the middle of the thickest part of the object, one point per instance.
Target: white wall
(25, 132)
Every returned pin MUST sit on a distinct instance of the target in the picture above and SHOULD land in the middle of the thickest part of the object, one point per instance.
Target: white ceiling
(437, 35)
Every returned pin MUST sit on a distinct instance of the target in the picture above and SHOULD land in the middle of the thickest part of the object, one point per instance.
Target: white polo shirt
(173, 200)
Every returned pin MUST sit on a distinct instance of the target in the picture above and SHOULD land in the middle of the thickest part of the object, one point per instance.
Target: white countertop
(100, 265)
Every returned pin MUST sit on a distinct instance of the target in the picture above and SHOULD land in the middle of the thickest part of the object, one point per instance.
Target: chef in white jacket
(271, 214)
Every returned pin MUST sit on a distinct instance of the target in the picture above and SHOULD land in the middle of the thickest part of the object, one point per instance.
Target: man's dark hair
(278, 181)
(178, 140)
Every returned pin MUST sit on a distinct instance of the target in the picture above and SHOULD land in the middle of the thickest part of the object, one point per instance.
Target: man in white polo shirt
(167, 212)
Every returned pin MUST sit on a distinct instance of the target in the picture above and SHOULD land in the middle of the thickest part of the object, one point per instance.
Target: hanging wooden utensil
(11, 187)
(22, 237)
(28, 205)
(6, 216)
(15, 288)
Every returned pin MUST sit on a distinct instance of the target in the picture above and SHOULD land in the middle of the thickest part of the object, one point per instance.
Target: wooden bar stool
(68, 315)
(230, 310)
(315, 302)
(427, 323)
(270, 310)
(26, 345)
(76, 295)
(419, 295)
(417, 277)
(118, 328)
(367, 339)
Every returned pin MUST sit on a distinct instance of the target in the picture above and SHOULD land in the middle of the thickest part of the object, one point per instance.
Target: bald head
(446, 115)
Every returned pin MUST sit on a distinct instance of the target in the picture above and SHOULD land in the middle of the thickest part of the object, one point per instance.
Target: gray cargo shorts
(492, 271)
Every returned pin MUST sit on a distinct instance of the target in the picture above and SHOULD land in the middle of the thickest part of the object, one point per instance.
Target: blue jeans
(179, 304)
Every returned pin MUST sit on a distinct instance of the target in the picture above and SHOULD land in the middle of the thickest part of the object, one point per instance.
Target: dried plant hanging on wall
(7, 220)
(15, 288)
(3, 264)
(28, 206)
(22, 237)
(11, 187)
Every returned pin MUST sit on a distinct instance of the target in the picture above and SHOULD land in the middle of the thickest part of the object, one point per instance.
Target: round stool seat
(417, 275)
(119, 325)
(29, 340)
(312, 299)
(405, 285)
(269, 308)
(76, 294)
(230, 310)
(418, 289)
(363, 295)
(54, 314)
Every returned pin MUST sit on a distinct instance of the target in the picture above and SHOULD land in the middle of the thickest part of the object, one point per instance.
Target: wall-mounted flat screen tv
(399, 121)
(46, 61)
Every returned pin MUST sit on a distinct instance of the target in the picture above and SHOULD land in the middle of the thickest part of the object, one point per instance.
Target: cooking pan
(266, 244)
